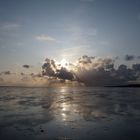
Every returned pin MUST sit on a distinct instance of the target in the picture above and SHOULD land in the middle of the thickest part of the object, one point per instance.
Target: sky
(33, 30)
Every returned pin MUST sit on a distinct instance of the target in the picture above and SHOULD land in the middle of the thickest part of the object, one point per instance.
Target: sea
(69, 113)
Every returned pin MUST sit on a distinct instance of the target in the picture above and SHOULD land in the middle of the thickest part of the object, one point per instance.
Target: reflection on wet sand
(71, 105)
(75, 113)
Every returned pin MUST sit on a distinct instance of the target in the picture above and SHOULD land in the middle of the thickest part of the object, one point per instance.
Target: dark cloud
(53, 70)
(136, 67)
(94, 62)
(38, 75)
(6, 72)
(64, 74)
(22, 74)
(129, 57)
(85, 59)
(93, 71)
(49, 68)
(101, 72)
(126, 74)
(26, 66)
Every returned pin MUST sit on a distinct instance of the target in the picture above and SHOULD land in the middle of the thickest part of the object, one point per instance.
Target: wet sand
(77, 113)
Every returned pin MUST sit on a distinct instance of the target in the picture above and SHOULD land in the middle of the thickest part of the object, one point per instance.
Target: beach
(69, 113)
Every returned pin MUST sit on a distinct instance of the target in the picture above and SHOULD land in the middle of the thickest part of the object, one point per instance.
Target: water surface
(69, 113)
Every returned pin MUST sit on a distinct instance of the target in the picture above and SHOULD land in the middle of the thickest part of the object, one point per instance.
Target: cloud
(22, 74)
(64, 74)
(38, 75)
(136, 67)
(6, 73)
(45, 38)
(94, 62)
(49, 68)
(26, 66)
(53, 70)
(129, 57)
(101, 72)
(92, 71)
(87, 70)
(11, 26)
(8, 26)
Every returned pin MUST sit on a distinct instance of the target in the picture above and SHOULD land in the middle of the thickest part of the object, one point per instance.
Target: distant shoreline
(114, 86)
(129, 85)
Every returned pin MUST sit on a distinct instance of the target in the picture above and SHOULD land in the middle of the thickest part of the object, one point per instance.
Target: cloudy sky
(32, 30)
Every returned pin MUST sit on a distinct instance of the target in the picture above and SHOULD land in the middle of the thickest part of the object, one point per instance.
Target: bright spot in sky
(63, 63)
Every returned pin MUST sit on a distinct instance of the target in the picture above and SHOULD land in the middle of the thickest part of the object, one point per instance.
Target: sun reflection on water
(70, 108)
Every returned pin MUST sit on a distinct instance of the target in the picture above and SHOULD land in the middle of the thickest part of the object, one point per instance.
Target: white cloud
(7, 26)
(77, 51)
(45, 38)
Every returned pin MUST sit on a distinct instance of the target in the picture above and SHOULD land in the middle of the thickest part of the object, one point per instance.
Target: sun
(64, 63)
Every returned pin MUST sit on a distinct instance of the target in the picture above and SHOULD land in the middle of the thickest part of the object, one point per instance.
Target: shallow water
(69, 113)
